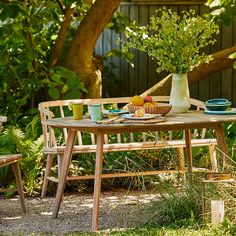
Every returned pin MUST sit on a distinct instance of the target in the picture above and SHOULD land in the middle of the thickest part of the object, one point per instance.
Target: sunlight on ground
(46, 213)
(12, 218)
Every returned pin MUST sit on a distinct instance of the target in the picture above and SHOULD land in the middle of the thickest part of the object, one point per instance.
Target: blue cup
(95, 112)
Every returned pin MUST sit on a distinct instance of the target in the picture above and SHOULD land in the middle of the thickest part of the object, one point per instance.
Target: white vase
(179, 94)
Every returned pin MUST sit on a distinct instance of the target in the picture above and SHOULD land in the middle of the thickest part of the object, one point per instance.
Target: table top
(190, 119)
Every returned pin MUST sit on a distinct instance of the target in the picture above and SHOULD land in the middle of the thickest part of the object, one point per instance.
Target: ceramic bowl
(217, 104)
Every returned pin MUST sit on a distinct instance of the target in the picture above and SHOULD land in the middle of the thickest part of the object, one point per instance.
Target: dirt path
(118, 210)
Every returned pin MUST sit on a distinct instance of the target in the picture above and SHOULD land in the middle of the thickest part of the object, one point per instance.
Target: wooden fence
(128, 81)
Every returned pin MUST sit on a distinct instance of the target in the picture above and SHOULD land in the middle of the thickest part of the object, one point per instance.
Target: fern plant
(15, 140)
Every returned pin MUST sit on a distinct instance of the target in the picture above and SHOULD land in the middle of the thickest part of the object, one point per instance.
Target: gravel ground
(119, 209)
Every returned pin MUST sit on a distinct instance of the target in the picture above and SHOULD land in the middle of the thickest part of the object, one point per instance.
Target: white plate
(231, 111)
(114, 112)
(145, 117)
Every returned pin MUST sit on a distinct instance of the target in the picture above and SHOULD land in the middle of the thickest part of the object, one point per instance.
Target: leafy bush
(29, 33)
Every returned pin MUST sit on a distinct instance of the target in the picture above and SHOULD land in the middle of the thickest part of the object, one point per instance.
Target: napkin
(117, 120)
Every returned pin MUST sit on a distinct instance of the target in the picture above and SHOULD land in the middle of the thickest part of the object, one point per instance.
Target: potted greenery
(176, 44)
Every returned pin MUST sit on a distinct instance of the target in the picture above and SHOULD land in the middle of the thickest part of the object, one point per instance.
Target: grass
(176, 212)
(226, 228)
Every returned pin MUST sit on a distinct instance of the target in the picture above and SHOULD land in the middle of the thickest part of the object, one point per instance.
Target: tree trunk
(79, 57)
(219, 63)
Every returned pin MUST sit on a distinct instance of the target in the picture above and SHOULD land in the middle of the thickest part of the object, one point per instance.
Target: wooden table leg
(97, 180)
(189, 150)
(64, 171)
(221, 142)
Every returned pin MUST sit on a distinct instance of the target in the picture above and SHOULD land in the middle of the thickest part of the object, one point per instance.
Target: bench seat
(132, 146)
(13, 161)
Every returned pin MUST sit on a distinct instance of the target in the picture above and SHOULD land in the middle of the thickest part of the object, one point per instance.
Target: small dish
(114, 112)
(145, 117)
(217, 104)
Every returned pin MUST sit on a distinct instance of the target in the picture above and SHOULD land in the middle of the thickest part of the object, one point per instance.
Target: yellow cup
(77, 110)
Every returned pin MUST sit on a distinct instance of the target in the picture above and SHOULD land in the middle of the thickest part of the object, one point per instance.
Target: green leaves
(233, 56)
(174, 42)
(64, 82)
(9, 10)
(118, 22)
(222, 11)
(119, 53)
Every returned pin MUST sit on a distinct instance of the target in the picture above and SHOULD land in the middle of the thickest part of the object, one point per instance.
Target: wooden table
(184, 121)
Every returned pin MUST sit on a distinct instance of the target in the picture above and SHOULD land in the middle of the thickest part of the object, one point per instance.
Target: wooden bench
(13, 160)
(55, 140)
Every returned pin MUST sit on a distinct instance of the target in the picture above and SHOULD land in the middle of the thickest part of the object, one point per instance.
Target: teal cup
(95, 112)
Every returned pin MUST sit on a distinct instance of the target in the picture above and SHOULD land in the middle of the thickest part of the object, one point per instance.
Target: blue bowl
(217, 104)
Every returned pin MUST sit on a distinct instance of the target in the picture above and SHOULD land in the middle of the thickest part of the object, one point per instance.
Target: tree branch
(31, 42)
(219, 63)
(61, 38)
(61, 5)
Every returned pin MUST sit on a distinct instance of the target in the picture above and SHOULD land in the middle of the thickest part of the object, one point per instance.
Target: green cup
(77, 110)
(95, 112)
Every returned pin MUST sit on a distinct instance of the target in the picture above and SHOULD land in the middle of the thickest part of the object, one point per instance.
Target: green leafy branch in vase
(174, 42)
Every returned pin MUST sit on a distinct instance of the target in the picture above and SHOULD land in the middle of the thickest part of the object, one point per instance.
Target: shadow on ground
(119, 209)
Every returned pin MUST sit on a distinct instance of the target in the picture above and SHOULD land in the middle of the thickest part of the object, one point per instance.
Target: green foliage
(128, 56)
(30, 31)
(118, 22)
(222, 11)
(230, 134)
(233, 57)
(226, 229)
(109, 79)
(174, 42)
(30, 145)
(177, 206)
(23, 49)
(64, 83)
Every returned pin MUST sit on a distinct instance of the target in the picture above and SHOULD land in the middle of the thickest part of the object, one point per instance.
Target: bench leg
(188, 150)
(180, 151)
(59, 164)
(16, 169)
(212, 153)
(47, 174)
(222, 144)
